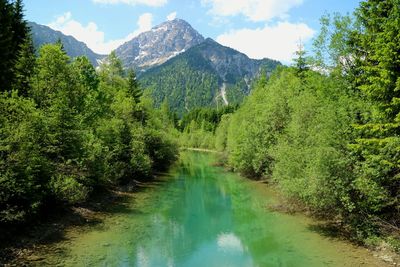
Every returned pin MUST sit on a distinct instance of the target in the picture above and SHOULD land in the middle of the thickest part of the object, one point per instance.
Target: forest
(324, 130)
(67, 130)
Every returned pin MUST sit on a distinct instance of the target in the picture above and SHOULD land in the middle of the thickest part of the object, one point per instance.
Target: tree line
(67, 129)
(326, 130)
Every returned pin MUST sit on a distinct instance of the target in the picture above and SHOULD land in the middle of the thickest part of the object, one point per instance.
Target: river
(201, 215)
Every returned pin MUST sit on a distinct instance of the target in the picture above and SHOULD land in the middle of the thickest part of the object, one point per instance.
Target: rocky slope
(43, 35)
(208, 74)
(156, 46)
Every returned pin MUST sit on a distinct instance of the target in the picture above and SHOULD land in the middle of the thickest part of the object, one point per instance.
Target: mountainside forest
(200, 76)
(324, 130)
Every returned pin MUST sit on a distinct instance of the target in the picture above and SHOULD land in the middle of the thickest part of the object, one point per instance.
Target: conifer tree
(133, 86)
(13, 32)
(6, 44)
(19, 25)
(24, 68)
(300, 61)
(376, 47)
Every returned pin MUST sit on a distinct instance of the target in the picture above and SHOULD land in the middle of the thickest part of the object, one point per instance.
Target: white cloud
(254, 10)
(276, 42)
(153, 3)
(145, 22)
(171, 16)
(92, 36)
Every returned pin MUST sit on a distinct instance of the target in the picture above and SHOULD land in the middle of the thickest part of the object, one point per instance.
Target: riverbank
(333, 227)
(199, 150)
(25, 245)
(180, 209)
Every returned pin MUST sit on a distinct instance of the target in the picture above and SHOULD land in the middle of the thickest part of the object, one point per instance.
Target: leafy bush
(67, 188)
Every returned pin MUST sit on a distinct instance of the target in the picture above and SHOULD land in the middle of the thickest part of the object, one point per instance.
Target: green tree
(67, 130)
(19, 25)
(53, 74)
(221, 133)
(376, 49)
(300, 62)
(86, 73)
(6, 45)
(255, 128)
(25, 68)
(24, 169)
(114, 65)
(133, 86)
(13, 32)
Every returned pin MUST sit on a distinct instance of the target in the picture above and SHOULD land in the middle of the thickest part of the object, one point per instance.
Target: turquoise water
(201, 215)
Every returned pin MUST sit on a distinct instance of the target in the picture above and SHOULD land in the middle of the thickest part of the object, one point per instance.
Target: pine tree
(6, 45)
(24, 68)
(86, 73)
(301, 61)
(376, 49)
(20, 27)
(60, 44)
(13, 32)
(115, 65)
(133, 86)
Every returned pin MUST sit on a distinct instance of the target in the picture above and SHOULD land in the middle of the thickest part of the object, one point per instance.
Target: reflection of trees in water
(211, 221)
(197, 216)
(204, 217)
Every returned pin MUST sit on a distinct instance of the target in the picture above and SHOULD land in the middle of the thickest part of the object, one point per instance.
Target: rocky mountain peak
(161, 43)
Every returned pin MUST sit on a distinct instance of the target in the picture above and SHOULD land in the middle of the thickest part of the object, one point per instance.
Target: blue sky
(259, 28)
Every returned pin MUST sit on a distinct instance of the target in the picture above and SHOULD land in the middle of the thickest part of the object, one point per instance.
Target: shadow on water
(331, 230)
(19, 244)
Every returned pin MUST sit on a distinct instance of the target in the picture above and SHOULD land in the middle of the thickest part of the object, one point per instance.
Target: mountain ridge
(178, 64)
(42, 34)
(208, 74)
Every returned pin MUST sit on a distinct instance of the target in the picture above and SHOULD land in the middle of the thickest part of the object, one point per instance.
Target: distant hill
(207, 74)
(43, 35)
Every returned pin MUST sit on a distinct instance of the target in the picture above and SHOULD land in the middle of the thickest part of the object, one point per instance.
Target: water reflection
(196, 228)
(229, 242)
(203, 216)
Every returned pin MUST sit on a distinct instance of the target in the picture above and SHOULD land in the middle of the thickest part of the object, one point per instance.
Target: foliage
(221, 133)
(13, 34)
(24, 169)
(196, 77)
(184, 86)
(73, 130)
(24, 67)
(312, 161)
(198, 126)
(326, 129)
(255, 127)
(133, 86)
(377, 57)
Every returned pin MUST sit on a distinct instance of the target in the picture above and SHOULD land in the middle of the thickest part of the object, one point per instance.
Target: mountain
(156, 46)
(43, 35)
(176, 63)
(208, 74)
